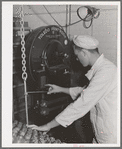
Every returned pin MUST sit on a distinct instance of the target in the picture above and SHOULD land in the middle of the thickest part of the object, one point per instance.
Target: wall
(104, 28)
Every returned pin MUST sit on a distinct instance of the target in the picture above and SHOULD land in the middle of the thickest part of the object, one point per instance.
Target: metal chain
(24, 73)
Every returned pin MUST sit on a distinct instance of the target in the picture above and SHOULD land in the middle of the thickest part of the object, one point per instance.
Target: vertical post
(69, 19)
(66, 17)
(26, 102)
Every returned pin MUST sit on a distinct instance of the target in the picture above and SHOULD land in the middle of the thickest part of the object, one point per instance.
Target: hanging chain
(24, 73)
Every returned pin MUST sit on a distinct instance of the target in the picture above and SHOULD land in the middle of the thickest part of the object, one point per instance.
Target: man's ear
(84, 52)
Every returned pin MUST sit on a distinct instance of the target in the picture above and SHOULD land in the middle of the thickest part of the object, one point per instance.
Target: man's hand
(53, 88)
(45, 127)
(39, 128)
(57, 89)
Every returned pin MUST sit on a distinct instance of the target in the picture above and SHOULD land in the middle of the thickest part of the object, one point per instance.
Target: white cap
(85, 41)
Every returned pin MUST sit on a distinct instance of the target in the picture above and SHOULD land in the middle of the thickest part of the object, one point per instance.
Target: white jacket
(100, 98)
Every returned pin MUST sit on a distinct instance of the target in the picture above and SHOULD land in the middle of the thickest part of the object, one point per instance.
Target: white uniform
(100, 98)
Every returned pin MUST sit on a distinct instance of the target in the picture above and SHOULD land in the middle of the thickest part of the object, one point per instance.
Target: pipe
(69, 19)
(37, 92)
(66, 17)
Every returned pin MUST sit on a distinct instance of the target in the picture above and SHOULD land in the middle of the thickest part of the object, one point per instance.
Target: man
(100, 97)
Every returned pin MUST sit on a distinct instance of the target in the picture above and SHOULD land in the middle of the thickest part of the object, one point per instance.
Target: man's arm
(52, 124)
(98, 88)
(73, 91)
(45, 127)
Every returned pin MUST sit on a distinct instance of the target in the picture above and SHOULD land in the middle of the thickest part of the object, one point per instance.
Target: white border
(62, 3)
(7, 25)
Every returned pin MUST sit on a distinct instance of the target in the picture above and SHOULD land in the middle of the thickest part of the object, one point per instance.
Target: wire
(58, 23)
(25, 14)
(73, 23)
(81, 19)
(90, 16)
(38, 15)
(42, 13)
(53, 17)
(84, 23)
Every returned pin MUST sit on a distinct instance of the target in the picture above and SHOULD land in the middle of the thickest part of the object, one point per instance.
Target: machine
(47, 52)
(50, 60)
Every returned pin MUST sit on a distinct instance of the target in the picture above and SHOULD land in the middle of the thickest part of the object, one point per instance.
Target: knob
(66, 72)
(66, 55)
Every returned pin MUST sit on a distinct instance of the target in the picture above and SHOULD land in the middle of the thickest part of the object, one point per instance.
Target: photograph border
(6, 76)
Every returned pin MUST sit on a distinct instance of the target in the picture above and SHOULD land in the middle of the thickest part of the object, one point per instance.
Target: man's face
(81, 56)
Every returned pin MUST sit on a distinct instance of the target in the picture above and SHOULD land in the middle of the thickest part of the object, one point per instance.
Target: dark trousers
(84, 129)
